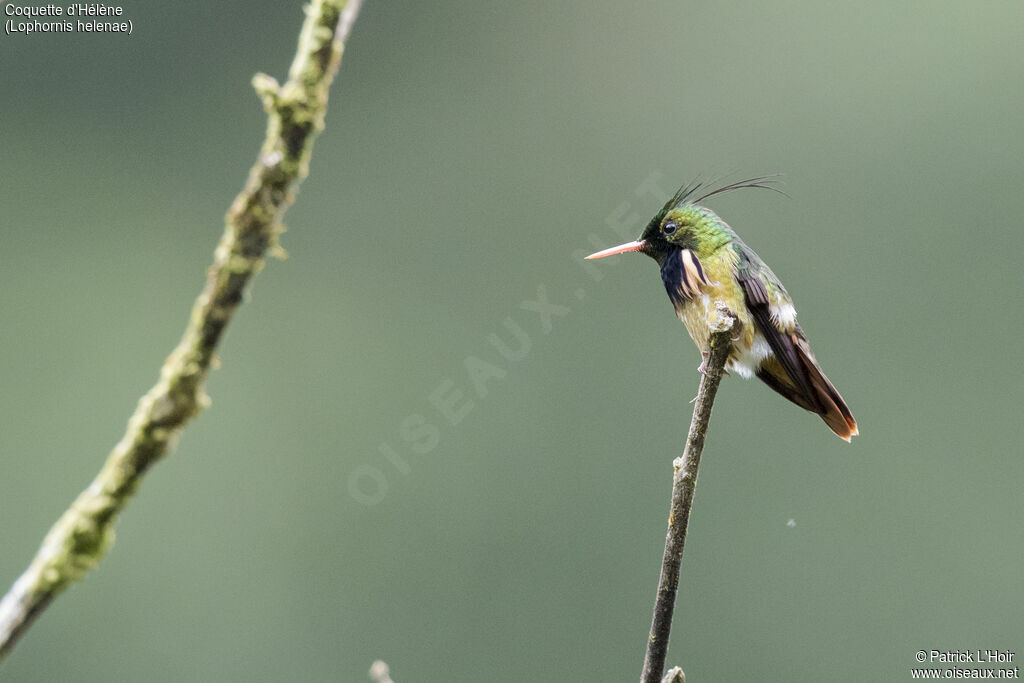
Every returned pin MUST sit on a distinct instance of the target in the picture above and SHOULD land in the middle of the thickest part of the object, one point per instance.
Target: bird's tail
(833, 411)
(823, 399)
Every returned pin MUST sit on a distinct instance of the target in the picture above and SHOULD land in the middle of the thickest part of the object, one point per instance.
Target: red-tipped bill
(621, 249)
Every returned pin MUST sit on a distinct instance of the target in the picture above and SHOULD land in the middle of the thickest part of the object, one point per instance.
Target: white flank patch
(784, 315)
(749, 360)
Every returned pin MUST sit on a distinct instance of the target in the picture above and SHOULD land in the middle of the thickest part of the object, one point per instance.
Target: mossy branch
(684, 481)
(296, 110)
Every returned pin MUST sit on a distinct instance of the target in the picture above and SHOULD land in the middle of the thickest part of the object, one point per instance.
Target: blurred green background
(471, 148)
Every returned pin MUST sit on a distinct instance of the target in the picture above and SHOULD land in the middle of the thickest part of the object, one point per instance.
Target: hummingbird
(702, 260)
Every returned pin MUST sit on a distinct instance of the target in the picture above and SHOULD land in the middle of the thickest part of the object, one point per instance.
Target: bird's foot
(703, 369)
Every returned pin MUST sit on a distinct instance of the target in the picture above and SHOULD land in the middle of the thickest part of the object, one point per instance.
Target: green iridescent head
(684, 224)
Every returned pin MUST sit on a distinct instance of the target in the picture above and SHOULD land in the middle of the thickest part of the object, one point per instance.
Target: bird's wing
(756, 278)
(793, 371)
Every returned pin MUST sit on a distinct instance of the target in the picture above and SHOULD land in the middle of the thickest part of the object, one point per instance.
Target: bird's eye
(669, 228)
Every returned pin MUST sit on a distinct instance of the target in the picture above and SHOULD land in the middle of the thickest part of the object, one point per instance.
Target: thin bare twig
(674, 675)
(296, 110)
(684, 481)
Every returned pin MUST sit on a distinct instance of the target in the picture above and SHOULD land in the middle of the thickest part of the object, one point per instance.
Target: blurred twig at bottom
(684, 481)
(296, 110)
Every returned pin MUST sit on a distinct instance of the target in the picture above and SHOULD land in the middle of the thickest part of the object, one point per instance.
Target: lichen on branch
(296, 111)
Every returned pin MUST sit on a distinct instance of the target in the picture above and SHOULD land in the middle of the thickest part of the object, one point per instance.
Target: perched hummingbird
(702, 261)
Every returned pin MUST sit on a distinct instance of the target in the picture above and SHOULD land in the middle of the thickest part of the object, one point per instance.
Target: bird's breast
(697, 314)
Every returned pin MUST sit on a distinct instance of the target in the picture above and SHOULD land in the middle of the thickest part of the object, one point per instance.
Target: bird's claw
(703, 369)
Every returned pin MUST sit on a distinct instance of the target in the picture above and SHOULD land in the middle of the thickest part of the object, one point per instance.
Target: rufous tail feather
(834, 411)
(825, 401)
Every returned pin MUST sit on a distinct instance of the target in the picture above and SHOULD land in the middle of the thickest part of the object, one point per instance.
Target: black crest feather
(698, 190)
